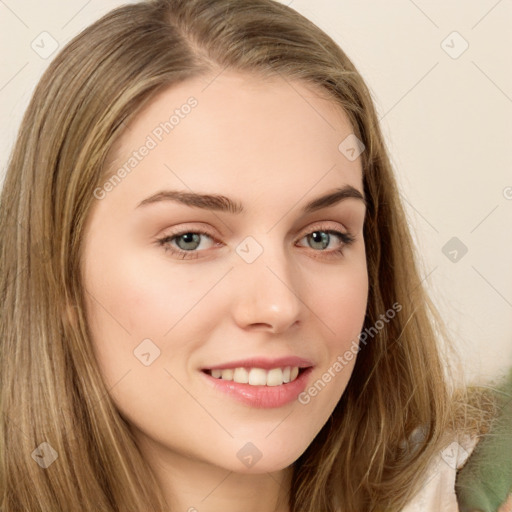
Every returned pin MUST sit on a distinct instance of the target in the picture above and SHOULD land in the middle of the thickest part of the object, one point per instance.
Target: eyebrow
(225, 204)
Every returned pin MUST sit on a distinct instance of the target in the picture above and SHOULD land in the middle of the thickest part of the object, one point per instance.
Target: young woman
(211, 299)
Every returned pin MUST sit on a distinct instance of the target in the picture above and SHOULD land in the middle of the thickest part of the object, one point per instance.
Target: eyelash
(346, 238)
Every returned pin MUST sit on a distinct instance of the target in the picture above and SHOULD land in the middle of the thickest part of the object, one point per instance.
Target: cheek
(128, 302)
(342, 310)
(342, 306)
(135, 299)
(347, 314)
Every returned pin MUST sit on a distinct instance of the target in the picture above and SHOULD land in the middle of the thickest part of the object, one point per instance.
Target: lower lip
(262, 397)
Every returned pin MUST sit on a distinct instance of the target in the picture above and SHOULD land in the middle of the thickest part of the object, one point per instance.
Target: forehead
(238, 131)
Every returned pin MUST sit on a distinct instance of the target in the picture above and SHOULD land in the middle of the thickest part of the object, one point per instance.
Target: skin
(273, 146)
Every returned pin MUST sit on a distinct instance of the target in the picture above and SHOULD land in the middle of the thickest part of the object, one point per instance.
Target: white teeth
(274, 377)
(241, 375)
(227, 374)
(258, 376)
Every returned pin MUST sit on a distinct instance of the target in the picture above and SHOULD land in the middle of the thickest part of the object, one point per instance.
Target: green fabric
(486, 479)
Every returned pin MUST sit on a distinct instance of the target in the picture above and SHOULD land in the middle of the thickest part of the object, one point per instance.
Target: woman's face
(166, 303)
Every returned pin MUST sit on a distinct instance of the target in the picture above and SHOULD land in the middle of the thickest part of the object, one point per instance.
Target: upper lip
(263, 362)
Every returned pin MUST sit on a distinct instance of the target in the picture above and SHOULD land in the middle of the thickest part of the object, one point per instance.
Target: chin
(254, 458)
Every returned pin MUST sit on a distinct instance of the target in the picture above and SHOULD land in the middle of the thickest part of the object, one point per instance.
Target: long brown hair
(51, 388)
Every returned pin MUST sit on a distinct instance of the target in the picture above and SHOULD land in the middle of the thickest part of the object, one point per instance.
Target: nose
(267, 295)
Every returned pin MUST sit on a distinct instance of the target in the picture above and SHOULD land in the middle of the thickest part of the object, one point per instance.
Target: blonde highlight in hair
(51, 386)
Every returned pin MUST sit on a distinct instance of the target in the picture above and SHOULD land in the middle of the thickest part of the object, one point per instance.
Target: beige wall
(446, 114)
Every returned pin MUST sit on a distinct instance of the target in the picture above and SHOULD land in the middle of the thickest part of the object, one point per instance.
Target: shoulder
(437, 493)
(473, 472)
(485, 481)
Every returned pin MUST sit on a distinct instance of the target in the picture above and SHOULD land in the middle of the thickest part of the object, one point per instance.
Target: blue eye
(324, 237)
(185, 244)
(188, 239)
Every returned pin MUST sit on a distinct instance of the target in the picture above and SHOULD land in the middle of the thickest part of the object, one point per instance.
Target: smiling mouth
(258, 376)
